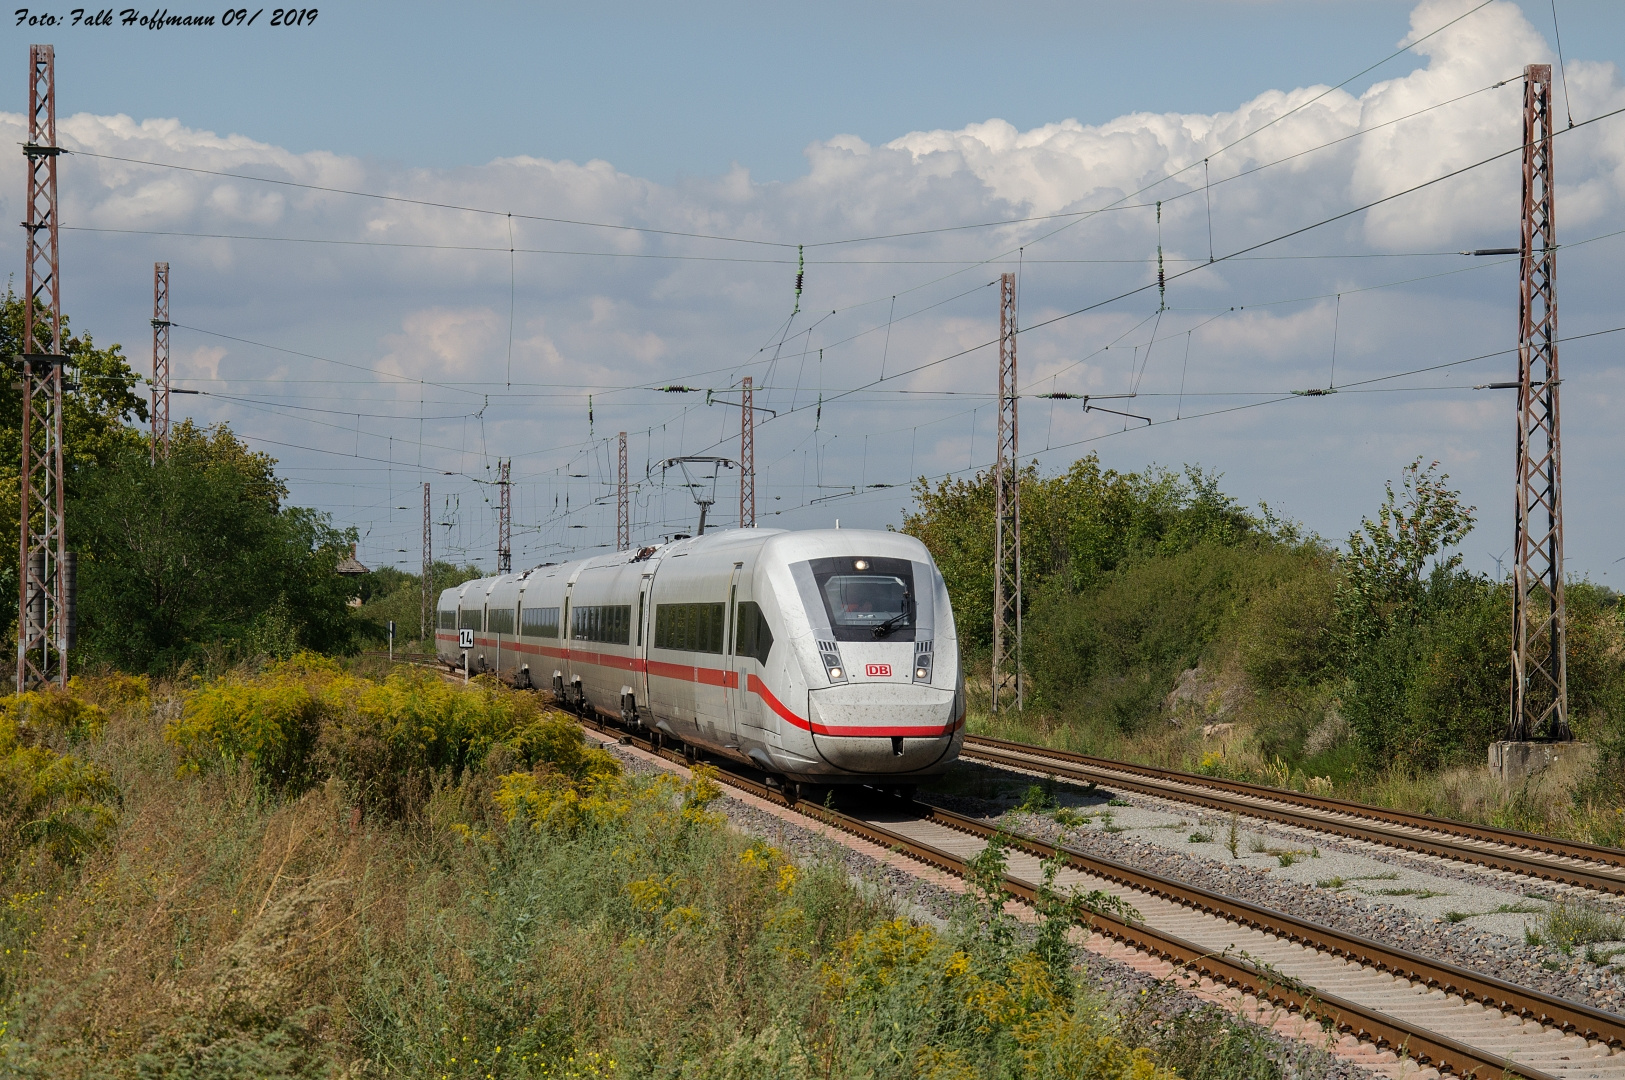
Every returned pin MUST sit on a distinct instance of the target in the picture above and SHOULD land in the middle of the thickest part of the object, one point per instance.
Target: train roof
(790, 545)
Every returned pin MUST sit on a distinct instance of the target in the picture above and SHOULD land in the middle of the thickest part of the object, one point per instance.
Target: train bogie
(824, 657)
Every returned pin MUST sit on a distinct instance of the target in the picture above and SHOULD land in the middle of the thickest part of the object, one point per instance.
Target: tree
(1383, 572)
(99, 400)
(196, 553)
(1076, 527)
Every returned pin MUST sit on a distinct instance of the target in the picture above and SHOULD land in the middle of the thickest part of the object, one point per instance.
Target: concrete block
(1515, 762)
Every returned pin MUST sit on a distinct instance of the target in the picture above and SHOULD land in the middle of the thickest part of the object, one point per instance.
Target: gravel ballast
(1429, 906)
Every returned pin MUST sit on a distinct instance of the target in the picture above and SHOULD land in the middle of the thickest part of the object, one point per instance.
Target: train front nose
(879, 728)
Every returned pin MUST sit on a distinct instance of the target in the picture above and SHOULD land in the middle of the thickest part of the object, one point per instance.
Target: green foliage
(388, 593)
(1286, 637)
(195, 558)
(1568, 923)
(1112, 654)
(304, 720)
(47, 798)
(1433, 689)
(1075, 528)
(100, 399)
(1383, 580)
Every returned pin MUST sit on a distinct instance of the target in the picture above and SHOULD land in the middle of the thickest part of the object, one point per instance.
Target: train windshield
(867, 599)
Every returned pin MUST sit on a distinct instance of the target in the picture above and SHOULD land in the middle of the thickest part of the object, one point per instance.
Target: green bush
(304, 720)
(1287, 638)
(1435, 690)
(1113, 653)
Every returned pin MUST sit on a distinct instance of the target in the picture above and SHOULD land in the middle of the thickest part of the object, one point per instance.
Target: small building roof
(351, 565)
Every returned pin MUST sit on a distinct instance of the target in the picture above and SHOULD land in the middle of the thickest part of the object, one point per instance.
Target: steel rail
(1490, 991)
(1381, 1028)
(1291, 806)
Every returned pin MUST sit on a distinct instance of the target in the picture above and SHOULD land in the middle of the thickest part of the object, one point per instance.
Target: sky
(408, 240)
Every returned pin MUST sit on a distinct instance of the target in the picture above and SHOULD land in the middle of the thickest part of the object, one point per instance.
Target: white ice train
(819, 657)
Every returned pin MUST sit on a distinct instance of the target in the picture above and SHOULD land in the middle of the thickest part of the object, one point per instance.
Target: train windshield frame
(867, 599)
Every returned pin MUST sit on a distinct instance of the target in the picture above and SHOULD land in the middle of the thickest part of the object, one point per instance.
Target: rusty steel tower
(1005, 671)
(160, 361)
(45, 625)
(428, 566)
(623, 502)
(1539, 616)
(505, 519)
(747, 455)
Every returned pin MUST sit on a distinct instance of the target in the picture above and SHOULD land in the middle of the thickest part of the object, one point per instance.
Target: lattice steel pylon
(428, 565)
(1005, 669)
(1540, 699)
(160, 361)
(747, 455)
(623, 501)
(505, 519)
(43, 622)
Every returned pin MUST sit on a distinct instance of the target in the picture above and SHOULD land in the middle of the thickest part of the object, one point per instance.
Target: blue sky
(371, 345)
(665, 91)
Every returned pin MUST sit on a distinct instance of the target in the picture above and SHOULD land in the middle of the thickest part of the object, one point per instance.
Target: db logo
(877, 671)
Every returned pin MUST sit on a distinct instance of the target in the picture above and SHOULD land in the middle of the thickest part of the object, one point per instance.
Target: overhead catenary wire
(891, 320)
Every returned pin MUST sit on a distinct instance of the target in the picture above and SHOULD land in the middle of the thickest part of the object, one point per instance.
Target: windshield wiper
(892, 623)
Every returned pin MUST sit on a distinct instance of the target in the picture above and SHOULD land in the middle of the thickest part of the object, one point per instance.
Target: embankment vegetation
(1166, 623)
(300, 871)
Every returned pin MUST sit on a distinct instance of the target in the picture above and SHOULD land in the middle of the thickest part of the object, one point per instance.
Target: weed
(1518, 908)
(1068, 818)
(1118, 800)
(1200, 838)
(1458, 916)
(1530, 935)
(1258, 845)
(1287, 858)
(1038, 799)
(1233, 835)
(1332, 882)
(1569, 923)
(1419, 894)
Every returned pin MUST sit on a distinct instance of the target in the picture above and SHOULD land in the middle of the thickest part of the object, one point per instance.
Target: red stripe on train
(728, 680)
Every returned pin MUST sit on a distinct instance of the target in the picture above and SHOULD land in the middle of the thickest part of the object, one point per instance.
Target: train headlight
(922, 661)
(830, 653)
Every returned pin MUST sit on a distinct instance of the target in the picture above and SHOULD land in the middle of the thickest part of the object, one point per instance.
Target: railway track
(1440, 1015)
(1569, 862)
(1435, 1013)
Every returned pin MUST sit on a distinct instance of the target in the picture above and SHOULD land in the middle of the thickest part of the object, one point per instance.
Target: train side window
(539, 622)
(609, 623)
(468, 619)
(448, 618)
(752, 638)
(690, 627)
(499, 620)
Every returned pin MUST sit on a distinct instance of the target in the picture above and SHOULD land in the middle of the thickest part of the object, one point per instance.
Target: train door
(743, 706)
(640, 644)
(572, 670)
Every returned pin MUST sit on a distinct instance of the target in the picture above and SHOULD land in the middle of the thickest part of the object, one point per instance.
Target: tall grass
(522, 909)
